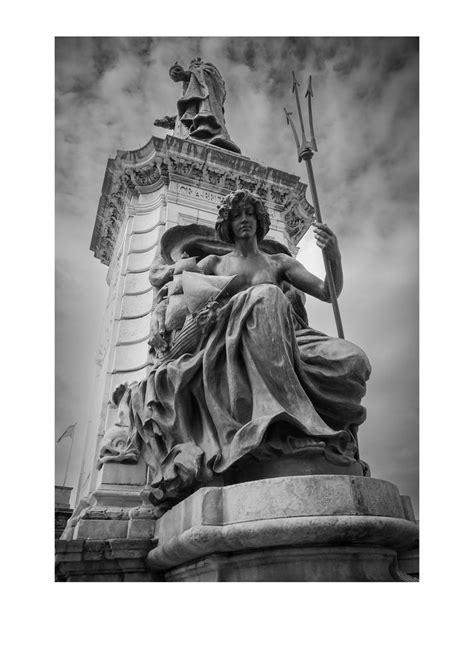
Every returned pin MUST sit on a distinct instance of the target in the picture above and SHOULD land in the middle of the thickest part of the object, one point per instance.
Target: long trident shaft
(305, 153)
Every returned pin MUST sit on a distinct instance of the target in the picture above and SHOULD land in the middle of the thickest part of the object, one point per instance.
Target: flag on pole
(68, 432)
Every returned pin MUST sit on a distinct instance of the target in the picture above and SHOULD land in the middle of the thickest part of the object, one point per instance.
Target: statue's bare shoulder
(281, 258)
(281, 261)
(209, 264)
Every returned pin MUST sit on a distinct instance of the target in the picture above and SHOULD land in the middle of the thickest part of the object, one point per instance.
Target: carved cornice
(120, 184)
(161, 161)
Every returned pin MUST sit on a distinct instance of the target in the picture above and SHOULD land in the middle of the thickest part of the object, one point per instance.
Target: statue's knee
(358, 357)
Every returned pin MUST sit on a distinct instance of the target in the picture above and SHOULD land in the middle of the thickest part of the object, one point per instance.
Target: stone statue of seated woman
(242, 388)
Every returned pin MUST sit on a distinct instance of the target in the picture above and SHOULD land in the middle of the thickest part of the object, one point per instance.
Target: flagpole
(69, 455)
(81, 474)
(67, 464)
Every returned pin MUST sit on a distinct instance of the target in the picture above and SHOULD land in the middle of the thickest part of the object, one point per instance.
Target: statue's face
(243, 221)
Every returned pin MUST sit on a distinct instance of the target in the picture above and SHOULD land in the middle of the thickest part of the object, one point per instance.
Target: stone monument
(225, 429)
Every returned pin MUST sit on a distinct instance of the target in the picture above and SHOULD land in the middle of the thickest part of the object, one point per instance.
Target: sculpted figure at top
(201, 106)
(240, 379)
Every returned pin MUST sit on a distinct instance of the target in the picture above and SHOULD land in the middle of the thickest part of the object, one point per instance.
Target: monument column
(168, 183)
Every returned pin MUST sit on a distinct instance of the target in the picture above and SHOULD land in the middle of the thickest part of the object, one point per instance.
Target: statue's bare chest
(251, 270)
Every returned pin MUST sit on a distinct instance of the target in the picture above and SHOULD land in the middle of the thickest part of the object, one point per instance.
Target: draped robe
(257, 368)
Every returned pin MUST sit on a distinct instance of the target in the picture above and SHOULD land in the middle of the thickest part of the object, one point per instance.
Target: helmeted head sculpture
(235, 200)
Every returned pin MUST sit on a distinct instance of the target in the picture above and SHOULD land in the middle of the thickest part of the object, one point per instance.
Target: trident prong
(295, 91)
(306, 149)
(289, 121)
(309, 95)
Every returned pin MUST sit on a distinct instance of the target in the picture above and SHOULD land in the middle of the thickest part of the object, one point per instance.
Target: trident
(305, 153)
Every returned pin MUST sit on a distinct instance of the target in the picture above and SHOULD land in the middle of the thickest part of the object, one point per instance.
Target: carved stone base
(408, 562)
(341, 527)
(309, 564)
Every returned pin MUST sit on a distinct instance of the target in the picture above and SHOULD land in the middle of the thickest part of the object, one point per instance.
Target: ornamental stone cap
(209, 168)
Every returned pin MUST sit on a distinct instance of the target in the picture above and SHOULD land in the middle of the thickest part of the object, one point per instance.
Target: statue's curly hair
(234, 199)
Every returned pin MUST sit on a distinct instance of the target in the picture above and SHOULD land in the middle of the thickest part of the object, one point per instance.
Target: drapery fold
(258, 369)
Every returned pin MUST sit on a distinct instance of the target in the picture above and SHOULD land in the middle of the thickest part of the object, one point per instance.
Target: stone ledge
(283, 512)
(201, 541)
(283, 497)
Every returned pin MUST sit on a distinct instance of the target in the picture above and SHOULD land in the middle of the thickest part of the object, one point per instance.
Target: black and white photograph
(237, 316)
(237, 349)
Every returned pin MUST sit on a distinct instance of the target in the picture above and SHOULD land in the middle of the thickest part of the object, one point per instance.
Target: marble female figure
(263, 384)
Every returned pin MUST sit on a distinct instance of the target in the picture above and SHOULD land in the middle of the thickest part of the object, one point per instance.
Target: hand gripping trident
(305, 153)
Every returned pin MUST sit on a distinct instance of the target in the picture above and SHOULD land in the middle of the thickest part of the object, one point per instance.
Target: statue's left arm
(295, 273)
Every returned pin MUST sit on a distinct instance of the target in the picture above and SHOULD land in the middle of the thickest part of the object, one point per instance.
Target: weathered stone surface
(409, 562)
(134, 330)
(61, 517)
(408, 508)
(319, 495)
(310, 564)
(141, 528)
(113, 560)
(62, 496)
(284, 465)
(101, 529)
(71, 548)
(138, 305)
(283, 512)
(144, 241)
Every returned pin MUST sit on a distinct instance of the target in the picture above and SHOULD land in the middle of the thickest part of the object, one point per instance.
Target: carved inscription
(201, 194)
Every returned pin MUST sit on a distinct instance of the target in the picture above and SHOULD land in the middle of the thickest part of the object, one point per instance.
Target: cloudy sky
(108, 93)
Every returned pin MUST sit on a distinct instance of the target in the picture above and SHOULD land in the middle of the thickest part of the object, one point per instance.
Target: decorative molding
(246, 183)
(126, 317)
(97, 512)
(137, 293)
(130, 370)
(133, 341)
(214, 176)
(109, 315)
(148, 230)
(278, 195)
(205, 170)
(142, 250)
(146, 175)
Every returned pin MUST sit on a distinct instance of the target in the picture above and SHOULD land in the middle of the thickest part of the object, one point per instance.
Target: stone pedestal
(310, 564)
(307, 528)
(300, 528)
